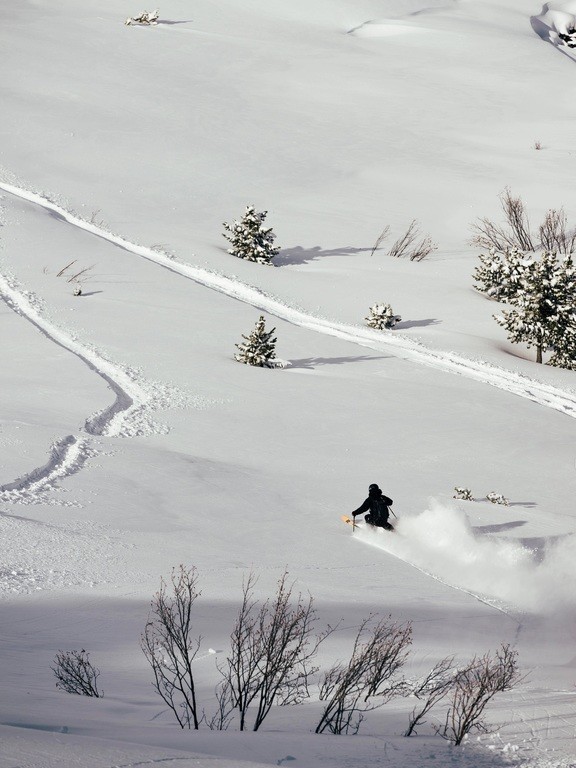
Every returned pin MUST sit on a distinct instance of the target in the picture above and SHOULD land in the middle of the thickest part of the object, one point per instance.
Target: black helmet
(373, 487)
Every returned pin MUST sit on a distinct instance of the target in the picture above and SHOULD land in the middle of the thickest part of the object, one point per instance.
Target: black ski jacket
(371, 505)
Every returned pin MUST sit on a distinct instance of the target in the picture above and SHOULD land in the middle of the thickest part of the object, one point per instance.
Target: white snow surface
(130, 439)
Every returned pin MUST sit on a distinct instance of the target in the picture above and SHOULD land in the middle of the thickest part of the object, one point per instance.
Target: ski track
(126, 416)
(543, 394)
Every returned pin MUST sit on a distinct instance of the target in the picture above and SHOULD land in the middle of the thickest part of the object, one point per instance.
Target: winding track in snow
(69, 454)
(545, 395)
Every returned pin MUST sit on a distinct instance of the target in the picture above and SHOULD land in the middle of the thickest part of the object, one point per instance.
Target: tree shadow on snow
(314, 362)
(417, 323)
(300, 255)
(168, 22)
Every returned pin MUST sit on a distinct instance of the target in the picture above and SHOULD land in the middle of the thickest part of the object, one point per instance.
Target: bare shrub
(474, 687)
(538, 145)
(553, 233)
(168, 646)
(423, 249)
(368, 680)
(76, 674)
(272, 647)
(408, 247)
(489, 235)
(380, 239)
(429, 691)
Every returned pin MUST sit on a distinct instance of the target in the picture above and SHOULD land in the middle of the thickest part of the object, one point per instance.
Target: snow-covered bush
(497, 498)
(462, 493)
(250, 239)
(258, 348)
(382, 316)
(500, 273)
(146, 17)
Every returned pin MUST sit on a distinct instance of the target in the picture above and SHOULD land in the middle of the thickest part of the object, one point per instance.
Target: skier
(377, 504)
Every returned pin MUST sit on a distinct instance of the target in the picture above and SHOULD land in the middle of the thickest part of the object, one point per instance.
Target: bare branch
(430, 690)
(380, 239)
(474, 686)
(553, 235)
(169, 648)
(403, 243)
(76, 674)
(369, 679)
(272, 647)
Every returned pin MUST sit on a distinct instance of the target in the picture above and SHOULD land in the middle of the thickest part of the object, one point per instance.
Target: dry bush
(380, 239)
(272, 647)
(553, 233)
(76, 674)
(407, 246)
(489, 235)
(368, 680)
(474, 686)
(168, 646)
(429, 691)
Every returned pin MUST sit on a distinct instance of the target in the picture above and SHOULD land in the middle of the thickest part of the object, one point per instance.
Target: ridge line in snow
(518, 384)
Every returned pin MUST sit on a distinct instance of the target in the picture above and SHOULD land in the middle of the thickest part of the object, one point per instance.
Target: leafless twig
(76, 674)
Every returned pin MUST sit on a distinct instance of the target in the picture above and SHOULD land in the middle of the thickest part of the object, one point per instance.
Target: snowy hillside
(131, 441)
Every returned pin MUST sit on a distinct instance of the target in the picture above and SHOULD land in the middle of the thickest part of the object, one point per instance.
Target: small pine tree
(564, 330)
(497, 498)
(382, 316)
(258, 348)
(543, 314)
(250, 239)
(500, 273)
(463, 493)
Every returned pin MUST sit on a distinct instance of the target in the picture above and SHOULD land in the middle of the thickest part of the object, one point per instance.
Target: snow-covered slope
(131, 441)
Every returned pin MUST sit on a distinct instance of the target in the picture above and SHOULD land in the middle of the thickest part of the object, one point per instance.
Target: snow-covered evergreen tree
(463, 493)
(146, 18)
(250, 239)
(564, 330)
(500, 273)
(259, 347)
(497, 498)
(542, 313)
(382, 316)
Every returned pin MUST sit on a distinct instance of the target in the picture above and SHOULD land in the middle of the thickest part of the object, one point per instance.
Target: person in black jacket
(377, 505)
